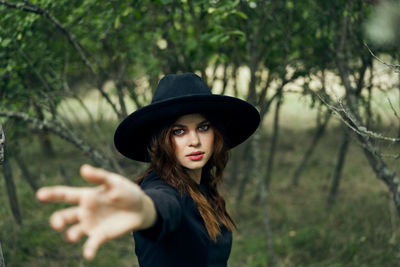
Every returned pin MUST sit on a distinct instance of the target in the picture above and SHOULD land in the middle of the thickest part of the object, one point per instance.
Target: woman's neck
(195, 175)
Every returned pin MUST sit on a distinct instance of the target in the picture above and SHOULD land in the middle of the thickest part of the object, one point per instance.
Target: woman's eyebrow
(184, 126)
(205, 121)
(179, 125)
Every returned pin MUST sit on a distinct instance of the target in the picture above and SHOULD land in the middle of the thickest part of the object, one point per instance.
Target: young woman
(177, 215)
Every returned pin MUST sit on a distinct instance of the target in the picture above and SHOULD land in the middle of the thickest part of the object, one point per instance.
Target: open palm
(109, 210)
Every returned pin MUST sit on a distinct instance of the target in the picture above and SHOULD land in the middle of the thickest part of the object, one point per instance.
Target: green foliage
(124, 41)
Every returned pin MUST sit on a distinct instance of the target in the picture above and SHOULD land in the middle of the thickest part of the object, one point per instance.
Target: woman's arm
(114, 207)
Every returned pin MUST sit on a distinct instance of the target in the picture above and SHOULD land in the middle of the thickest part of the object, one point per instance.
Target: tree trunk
(247, 157)
(65, 176)
(234, 167)
(234, 79)
(123, 113)
(44, 138)
(339, 167)
(398, 127)
(267, 228)
(317, 136)
(119, 86)
(371, 149)
(263, 199)
(26, 174)
(224, 78)
(12, 195)
(2, 263)
(274, 141)
(368, 108)
(2, 142)
(381, 170)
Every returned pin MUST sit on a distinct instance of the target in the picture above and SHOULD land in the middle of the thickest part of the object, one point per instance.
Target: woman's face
(193, 138)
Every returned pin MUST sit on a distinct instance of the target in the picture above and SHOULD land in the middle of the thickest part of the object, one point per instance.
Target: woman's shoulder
(153, 180)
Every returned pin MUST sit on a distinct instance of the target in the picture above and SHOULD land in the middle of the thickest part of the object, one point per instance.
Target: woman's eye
(204, 127)
(178, 132)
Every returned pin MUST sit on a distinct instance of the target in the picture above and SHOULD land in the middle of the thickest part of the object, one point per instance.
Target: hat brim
(238, 119)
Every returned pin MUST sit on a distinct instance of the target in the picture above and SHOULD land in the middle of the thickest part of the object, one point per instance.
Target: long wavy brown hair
(163, 161)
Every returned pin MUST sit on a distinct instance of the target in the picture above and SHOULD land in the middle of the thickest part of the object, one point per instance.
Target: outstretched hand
(107, 211)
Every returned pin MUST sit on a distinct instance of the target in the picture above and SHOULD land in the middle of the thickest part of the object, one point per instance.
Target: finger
(63, 217)
(60, 193)
(96, 175)
(74, 233)
(92, 244)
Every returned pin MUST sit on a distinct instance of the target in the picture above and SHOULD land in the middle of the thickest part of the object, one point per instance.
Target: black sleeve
(168, 207)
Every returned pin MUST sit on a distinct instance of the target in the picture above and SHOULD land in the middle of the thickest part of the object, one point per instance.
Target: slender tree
(338, 169)
(2, 141)
(10, 185)
(2, 264)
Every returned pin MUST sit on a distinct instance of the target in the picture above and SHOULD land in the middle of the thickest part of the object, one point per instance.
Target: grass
(362, 229)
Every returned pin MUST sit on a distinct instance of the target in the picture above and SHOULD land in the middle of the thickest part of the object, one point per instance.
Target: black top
(179, 238)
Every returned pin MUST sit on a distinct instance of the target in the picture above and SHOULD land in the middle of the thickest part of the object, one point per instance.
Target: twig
(59, 129)
(395, 156)
(394, 110)
(361, 130)
(394, 67)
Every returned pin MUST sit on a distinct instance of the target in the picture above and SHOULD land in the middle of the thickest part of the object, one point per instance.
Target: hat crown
(180, 85)
(177, 95)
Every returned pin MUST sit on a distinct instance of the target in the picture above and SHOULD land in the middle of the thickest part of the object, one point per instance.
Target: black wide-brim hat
(177, 95)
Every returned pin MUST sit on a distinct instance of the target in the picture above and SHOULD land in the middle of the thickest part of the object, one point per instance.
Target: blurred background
(317, 184)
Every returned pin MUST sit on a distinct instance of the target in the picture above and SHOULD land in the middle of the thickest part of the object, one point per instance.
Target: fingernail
(56, 222)
(71, 237)
(84, 168)
(87, 166)
(88, 253)
(40, 194)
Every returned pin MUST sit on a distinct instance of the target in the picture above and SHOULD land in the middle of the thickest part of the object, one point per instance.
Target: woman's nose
(194, 139)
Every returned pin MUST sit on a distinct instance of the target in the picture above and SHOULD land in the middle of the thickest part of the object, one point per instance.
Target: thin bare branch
(59, 129)
(394, 156)
(394, 67)
(394, 110)
(350, 122)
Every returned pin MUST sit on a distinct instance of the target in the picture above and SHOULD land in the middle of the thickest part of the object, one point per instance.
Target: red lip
(195, 156)
(196, 153)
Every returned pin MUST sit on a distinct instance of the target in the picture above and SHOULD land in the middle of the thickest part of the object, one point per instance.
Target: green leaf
(117, 22)
(5, 42)
(240, 14)
(127, 11)
(237, 32)
(224, 39)
(216, 38)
